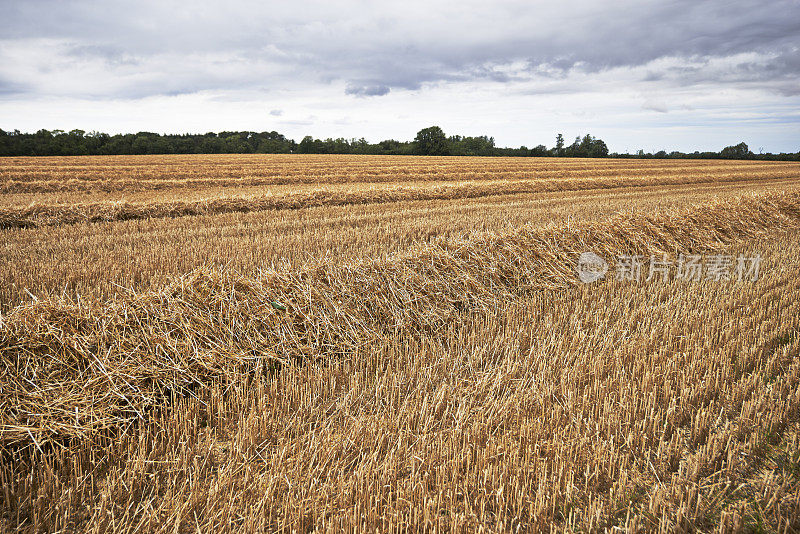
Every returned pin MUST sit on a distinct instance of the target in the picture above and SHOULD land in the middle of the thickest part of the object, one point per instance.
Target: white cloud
(385, 70)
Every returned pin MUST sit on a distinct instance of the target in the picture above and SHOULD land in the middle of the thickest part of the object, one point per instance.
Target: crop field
(293, 343)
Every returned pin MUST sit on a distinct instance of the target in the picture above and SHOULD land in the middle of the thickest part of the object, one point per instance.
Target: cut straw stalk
(71, 370)
(59, 214)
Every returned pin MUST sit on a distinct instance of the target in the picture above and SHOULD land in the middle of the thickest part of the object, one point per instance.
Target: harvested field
(92, 260)
(431, 362)
(204, 185)
(130, 174)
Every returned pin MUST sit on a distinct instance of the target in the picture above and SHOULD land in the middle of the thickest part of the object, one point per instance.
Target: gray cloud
(162, 48)
(787, 89)
(655, 106)
(9, 87)
(508, 67)
(367, 90)
(112, 55)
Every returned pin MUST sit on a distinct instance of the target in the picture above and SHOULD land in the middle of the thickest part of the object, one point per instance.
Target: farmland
(293, 342)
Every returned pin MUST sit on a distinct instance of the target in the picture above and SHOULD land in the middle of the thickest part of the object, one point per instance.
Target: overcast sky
(672, 74)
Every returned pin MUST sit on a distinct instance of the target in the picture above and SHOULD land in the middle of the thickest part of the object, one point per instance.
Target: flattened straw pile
(59, 214)
(70, 370)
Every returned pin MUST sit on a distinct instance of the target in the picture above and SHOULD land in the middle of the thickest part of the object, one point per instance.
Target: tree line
(430, 141)
(740, 151)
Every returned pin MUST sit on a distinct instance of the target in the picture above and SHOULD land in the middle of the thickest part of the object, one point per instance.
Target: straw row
(39, 215)
(70, 369)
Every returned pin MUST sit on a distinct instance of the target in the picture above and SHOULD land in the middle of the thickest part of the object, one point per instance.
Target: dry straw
(39, 215)
(70, 369)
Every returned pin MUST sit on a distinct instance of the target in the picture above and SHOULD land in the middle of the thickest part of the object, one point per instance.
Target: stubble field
(269, 343)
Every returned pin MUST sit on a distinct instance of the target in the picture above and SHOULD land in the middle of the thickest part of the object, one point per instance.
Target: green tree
(740, 151)
(431, 142)
(559, 144)
(539, 151)
(308, 145)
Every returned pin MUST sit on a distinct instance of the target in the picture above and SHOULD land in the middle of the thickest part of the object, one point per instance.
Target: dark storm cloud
(163, 48)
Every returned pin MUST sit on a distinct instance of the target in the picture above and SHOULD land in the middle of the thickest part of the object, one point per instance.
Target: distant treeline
(429, 141)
